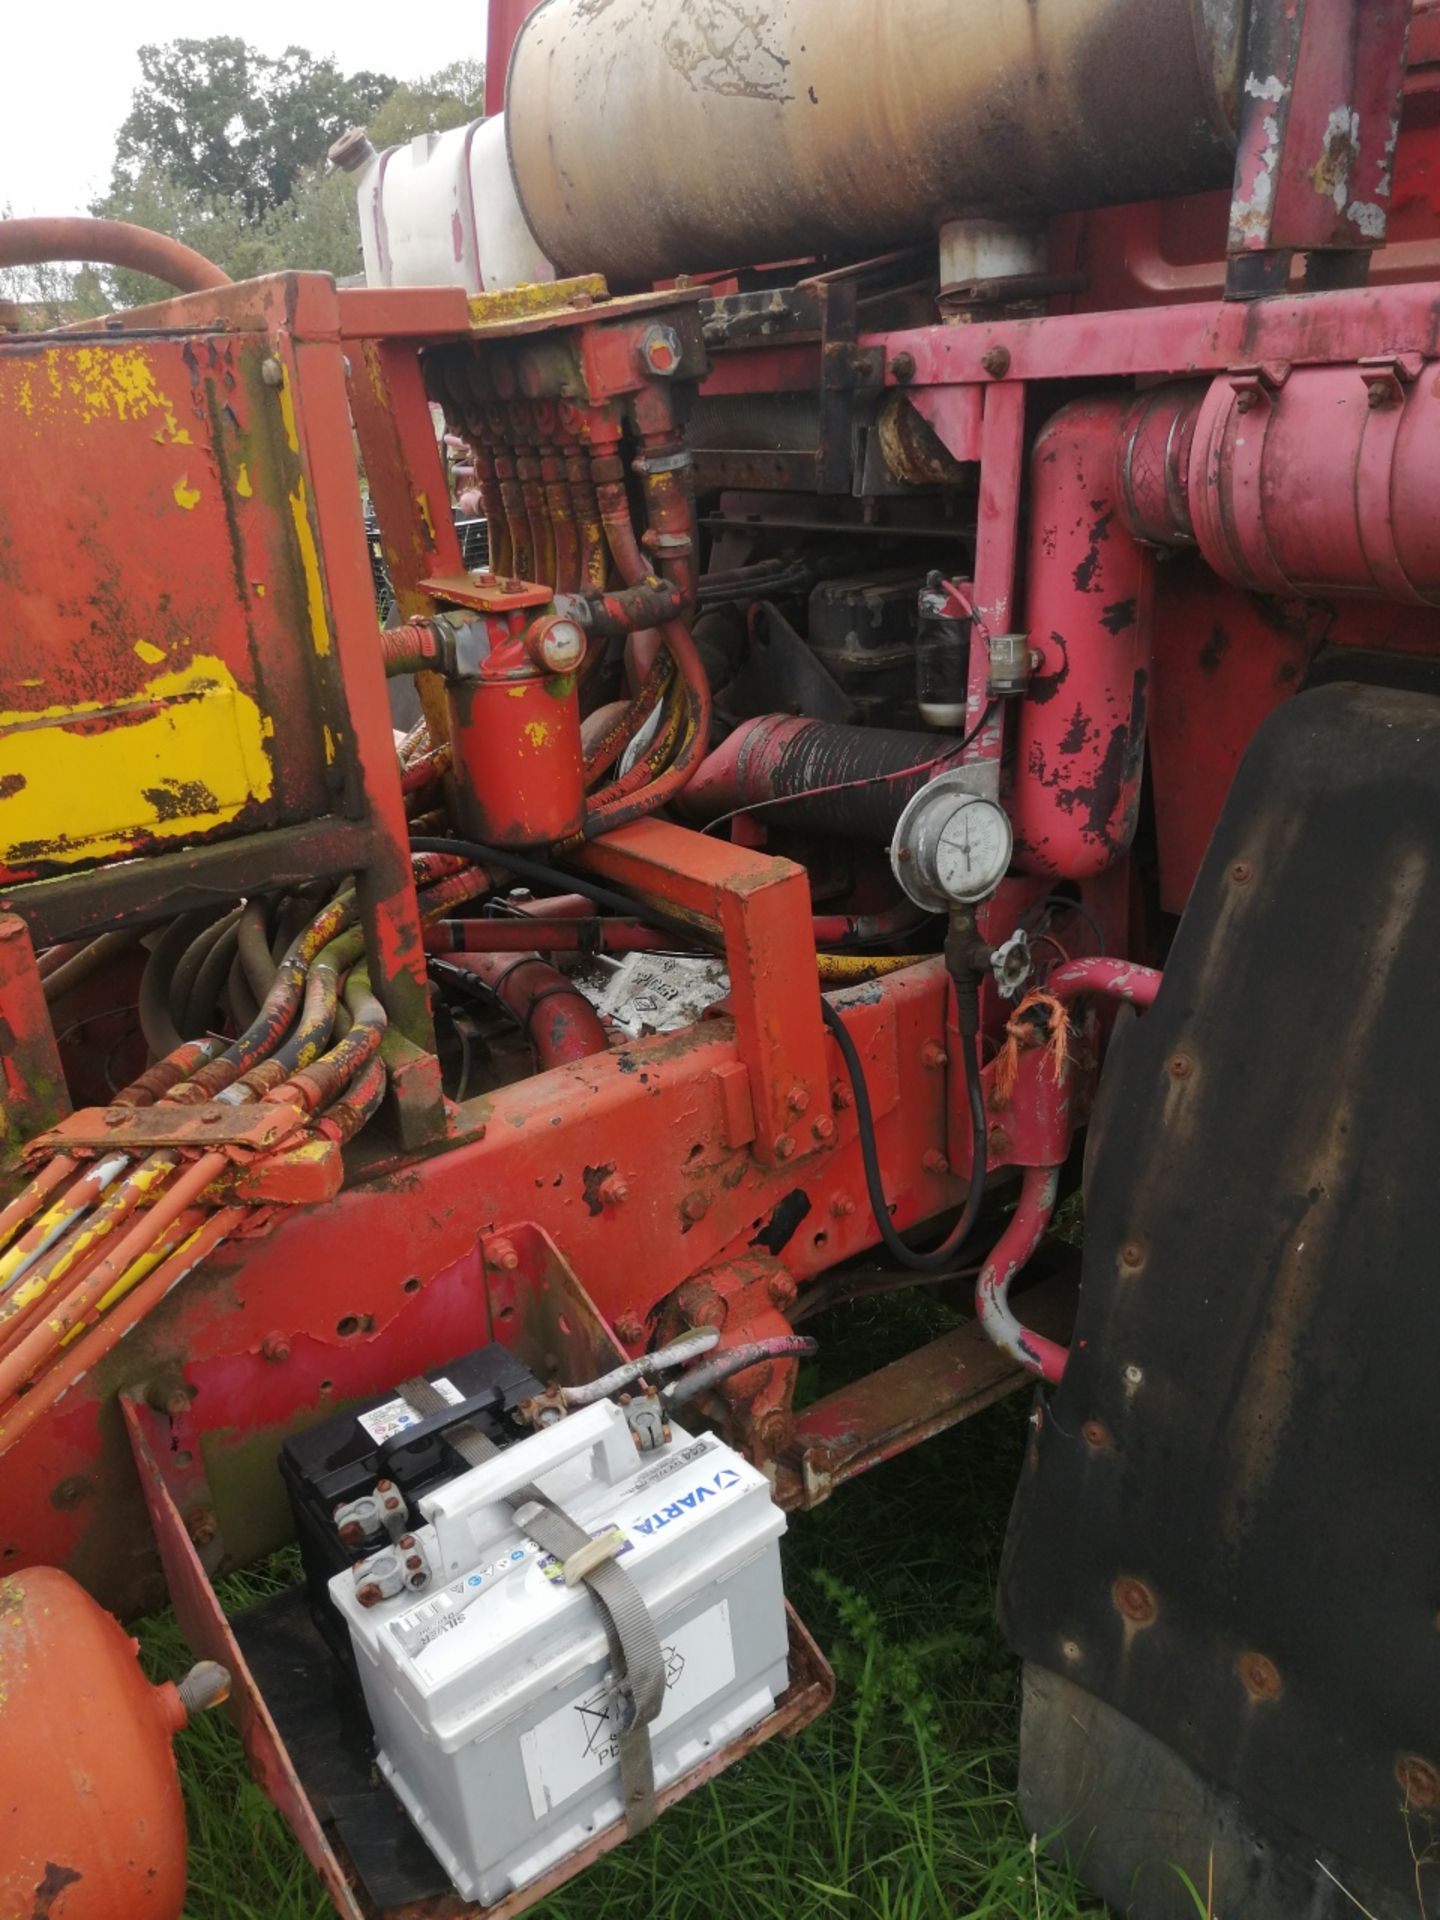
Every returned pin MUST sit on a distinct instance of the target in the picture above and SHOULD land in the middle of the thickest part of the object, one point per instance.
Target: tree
(448, 98)
(230, 124)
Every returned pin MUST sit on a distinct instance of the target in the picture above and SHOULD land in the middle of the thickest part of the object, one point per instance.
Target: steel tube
(668, 137)
(113, 243)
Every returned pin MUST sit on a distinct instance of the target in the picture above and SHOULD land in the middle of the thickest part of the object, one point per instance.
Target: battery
(493, 1697)
(337, 1467)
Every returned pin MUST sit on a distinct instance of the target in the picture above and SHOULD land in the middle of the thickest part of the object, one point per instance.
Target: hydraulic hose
(675, 1355)
(941, 1257)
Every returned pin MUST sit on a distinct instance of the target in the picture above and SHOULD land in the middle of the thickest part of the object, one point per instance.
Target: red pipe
(562, 1025)
(114, 243)
(1116, 979)
(1081, 731)
(992, 1290)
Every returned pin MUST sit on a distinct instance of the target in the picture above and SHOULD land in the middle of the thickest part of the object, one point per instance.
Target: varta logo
(687, 1502)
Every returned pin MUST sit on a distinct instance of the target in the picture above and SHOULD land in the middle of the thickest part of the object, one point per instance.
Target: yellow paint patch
(310, 563)
(97, 383)
(180, 756)
(329, 748)
(186, 496)
(147, 651)
(536, 732)
(242, 481)
(259, 586)
(287, 411)
(422, 502)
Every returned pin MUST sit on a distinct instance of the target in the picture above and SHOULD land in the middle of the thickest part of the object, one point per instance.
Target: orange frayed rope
(1039, 1020)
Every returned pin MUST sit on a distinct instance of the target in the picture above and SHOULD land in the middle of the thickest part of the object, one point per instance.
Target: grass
(896, 1805)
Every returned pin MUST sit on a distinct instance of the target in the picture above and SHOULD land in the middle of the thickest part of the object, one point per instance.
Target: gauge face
(972, 850)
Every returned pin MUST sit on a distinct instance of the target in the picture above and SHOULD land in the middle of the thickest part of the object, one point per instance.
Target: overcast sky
(70, 70)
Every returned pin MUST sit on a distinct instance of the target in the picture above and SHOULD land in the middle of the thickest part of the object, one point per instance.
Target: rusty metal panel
(161, 603)
(1225, 1527)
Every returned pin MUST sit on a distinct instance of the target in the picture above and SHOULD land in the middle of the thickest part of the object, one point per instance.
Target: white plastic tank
(442, 211)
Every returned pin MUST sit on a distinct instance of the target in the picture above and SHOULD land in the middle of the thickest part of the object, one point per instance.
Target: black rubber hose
(211, 977)
(239, 999)
(527, 869)
(162, 1036)
(938, 1258)
(253, 952)
(187, 968)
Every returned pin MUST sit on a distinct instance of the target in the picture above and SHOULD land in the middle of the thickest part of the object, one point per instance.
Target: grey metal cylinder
(651, 137)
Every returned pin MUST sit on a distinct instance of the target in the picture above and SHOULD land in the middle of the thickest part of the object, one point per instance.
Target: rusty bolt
(782, 1290)
(1134, 1599)
(117, 1116)
(694, 1206)
(271, 372)
(501, 1253)
(1095, 1434)
(996, 362)
(933, 1056)
(660, 350)
(212, 1113)
(842, 1206)
(902, 367)
(823, 1128)
(797, 1099)
(1181, 1066)
(1240, 872)
(613, 1192)
(275, 1347)
(1419, 1780)
(583, 299)
(630, 1330)
(1259, 1677)
(369, 1595)
(200, 1525)
(384, 1486)
(413, 1561)
(406, 1541)
(999, 1143)
(1132, 1254)
(933, 1161)
(391, 1503)
(785, 1147)
(1246, 399)
(352, 1534)
(841, 1095)
(418, 1579)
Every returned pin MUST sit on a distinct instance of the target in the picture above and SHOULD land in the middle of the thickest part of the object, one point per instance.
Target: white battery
(490, 1694)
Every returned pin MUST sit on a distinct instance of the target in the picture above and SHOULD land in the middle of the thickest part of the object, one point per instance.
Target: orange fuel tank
(92, 1826)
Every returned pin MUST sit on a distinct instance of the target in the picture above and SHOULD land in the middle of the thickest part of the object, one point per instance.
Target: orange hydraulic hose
(30, 1354)
(29, 1200)
(80, 1243)
(115, 243)
(108, 1332)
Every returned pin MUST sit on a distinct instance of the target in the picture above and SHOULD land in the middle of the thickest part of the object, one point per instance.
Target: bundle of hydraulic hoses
(90, 1246)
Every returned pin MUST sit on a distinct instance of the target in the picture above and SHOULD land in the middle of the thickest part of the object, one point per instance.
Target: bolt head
(933, 1056)
(842, 1206)
(823, 1128)
(1259, 1677)
(1241, 872)
(797, 1099)
(613, 1192)
(369, 1595)
(841, 1095)
(406, 1540)
(502, 1254)
(694, 1206)
(211, 1114)
(418, 1579)
(933, 1161)
(996, 362)
(1181, 1066)
(1094, 1432)
(1133, 1376)
(785, 1147)
(413, 1562)
(1134, 1599)
(630, 1330)
(1132, 1254)
(117, 1116)
(275, 1347)
(902, 367)
(271, 372)
(998, 1142)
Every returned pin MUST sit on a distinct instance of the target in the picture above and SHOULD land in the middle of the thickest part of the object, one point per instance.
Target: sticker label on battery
(576, 1746)
(382, 1423)
(444, 1610)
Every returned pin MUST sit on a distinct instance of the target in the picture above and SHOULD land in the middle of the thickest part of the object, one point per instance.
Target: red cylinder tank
(1081, 732)
(91, 1821)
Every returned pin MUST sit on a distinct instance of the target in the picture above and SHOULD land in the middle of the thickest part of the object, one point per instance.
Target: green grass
(896, 1805)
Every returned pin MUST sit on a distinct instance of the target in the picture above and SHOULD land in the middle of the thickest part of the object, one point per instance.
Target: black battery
(382, 1440)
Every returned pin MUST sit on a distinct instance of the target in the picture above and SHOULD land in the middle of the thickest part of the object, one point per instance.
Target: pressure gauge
(951, 847)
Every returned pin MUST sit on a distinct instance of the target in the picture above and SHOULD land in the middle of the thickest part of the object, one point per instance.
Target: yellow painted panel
(181, 756)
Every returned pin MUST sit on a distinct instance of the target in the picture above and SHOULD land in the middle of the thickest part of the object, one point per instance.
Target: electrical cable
(528, 869)
(939, 1258)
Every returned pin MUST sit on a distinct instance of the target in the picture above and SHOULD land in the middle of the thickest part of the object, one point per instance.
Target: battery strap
(634, 1644)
